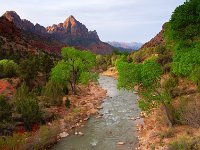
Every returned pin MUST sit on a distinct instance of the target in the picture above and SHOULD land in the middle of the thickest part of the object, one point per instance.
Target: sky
(114, 20)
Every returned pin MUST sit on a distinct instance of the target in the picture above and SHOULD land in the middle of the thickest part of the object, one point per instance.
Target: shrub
(67, 103)
(190, 113)
(27, 106)
(15, 142)
(6, 126)
(185, 143)
(53, 93)
(167, 134)
(8, 68)
(5, 109)
(28, 69)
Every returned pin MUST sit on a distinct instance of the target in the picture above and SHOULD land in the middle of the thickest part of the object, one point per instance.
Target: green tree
(46, 63)
(53, 93)
(27, 106)
(185, 21)
(147, 77)
(6, 126)
(186, 60)
(74, 67)
(28, 69)
(8, 68)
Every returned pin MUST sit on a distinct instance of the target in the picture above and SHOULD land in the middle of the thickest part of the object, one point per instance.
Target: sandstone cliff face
(71, 32)
(24, 24)
(157, 40)
(14, 39)
(70, 29)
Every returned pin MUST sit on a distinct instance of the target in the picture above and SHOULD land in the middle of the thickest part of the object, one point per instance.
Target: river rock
(63, 134)
(120, 143)
(93, 111)
(99, 107)
(83, 102)
(89, 106)
(133, 118)
(85, 119)
(80, 133)
(97, 117)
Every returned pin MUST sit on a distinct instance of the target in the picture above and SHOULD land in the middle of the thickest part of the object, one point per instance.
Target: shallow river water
(115, 125)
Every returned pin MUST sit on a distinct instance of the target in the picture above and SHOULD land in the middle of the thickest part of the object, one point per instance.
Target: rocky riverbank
(157, 135)
(111, 72)
(83, 105)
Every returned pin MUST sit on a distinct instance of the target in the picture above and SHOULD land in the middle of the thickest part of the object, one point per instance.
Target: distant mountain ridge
(126, 46)
(69, 33)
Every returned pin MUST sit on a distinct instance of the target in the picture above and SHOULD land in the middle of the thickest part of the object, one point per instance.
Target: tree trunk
(168, 115)
(73, 84)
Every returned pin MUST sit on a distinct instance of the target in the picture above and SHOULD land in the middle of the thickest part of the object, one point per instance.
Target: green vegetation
(185, 22)
(156, 71)
(27, 106)
(53, 93)
(6, 126)
(75, 67)
(8, 68)
(185, 143)
(182, 34)
(103, 62)
(147, 77)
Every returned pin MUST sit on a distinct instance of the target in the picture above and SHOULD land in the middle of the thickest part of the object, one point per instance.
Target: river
(114, 126)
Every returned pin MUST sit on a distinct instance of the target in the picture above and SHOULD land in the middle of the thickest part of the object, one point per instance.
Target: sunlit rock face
(70, 33)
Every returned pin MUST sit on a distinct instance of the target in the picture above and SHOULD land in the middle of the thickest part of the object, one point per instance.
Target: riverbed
(114, 126)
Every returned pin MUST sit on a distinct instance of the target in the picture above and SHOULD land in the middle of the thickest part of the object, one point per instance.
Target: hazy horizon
(114, 20)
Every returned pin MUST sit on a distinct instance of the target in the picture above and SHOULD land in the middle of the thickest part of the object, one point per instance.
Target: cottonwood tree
(75, 67)
(147, 77)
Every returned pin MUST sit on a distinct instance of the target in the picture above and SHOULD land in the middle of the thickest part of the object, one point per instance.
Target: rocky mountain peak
(24, 24)
(71, 19)
(71, 32)
(12, 16)
(70, 22)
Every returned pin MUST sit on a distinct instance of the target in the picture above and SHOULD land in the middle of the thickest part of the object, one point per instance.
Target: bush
(167, 134)
(15, 142)
(185, 143)
(27, 106)
(190, 113)
(28, 69)
(6, 126)
(53, 93)
(8, 68)
(185, 20)
(67, 103)
(5, 109)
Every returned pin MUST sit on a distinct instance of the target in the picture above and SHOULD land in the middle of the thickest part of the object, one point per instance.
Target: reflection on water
(113, 127)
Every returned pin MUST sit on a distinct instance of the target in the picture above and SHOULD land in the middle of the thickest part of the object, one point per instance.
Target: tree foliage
(146, 77)
(6, 121)
(53, 93)
(185, 61)
(27, 105)
(75, 67)
(185, 21)
(132, 74)
(8, 68)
